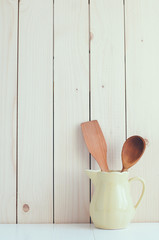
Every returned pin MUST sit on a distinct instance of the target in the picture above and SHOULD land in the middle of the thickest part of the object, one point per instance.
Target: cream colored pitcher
(111, 206)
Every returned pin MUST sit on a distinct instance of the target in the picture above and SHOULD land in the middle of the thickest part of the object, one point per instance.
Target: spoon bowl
(132, 151)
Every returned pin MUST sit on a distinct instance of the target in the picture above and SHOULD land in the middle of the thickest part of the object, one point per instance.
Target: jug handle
(143, 189)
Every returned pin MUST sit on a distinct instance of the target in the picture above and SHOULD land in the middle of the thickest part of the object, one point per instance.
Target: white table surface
(135, 231)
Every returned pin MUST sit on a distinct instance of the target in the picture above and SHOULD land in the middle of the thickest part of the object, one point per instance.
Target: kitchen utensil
(95, 142)
(132, 151)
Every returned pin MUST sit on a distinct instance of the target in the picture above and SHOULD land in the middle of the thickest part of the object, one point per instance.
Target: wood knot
(26, 208)
(91, 36)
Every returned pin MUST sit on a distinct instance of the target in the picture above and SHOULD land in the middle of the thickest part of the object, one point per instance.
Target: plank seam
(53, 118)
(125, 69)
(17, 114)
(89, 25)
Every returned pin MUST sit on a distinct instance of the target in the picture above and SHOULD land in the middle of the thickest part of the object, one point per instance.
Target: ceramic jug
(112, 206)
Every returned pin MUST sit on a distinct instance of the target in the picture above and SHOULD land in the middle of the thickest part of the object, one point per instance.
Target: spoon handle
(123, 169)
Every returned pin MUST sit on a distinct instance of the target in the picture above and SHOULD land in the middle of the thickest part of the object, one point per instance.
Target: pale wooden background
(63, 63)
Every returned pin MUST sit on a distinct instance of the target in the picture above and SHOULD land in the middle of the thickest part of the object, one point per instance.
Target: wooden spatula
(95, 142)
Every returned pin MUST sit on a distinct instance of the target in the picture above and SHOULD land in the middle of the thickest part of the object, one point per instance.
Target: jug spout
(92, 174)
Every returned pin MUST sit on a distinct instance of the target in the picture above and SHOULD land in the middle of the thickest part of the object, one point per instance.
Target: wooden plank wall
(8, 109)
(35, 112)
(142, 75)
(71, 107)
(62, 63)
(107, 75)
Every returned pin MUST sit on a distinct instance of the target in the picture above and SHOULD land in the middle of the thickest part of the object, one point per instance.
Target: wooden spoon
(132, 151)
(95, 142)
